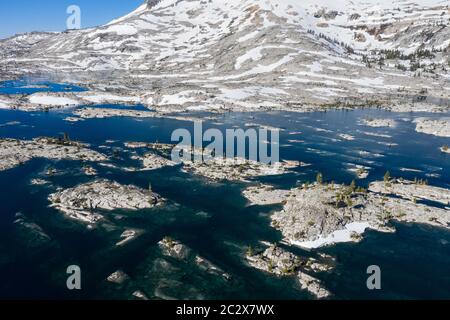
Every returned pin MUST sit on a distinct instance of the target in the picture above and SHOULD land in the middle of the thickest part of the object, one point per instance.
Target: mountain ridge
(204, 53)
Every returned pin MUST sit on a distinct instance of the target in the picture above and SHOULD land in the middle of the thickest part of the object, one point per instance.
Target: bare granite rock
(411, 190)
(127, 236)
(99, 113)
(440, 128)
(118, 277)
(14, 152)
(138, 294)
(174, 248)
(378, 123)
(275, 260)
(280, 262)
(153, 161)
(313, 285)
(84, 201)
(264, 195)
(235, 169)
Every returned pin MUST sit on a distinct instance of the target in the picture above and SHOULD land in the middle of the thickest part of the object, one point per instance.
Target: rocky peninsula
(323, 214)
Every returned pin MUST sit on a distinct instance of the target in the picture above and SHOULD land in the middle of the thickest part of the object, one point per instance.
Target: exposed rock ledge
(264, 195)
(378, 123)
(175, 249)
(15, 152)
(440, 128)
(313, 285)
(278, 261)
(411, 190)
(215, 168)
(237, 169)
(153, 161)
(319, 215)
(83, 202)
(100, 113)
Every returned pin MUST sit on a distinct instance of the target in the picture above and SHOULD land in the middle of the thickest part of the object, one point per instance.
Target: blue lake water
(25, 86)
(213, 218)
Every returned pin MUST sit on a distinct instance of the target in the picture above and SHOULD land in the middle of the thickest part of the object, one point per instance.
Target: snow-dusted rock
(320, 215)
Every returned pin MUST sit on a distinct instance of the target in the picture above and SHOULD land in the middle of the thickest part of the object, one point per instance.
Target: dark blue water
(30, 86)
(213, 218)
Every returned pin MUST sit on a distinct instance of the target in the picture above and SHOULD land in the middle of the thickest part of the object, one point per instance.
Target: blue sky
(18, 16)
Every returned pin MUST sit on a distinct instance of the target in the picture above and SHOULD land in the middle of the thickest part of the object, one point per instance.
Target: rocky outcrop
(235, 169)
(275, 260)
(173, 248)
(319, 215)
(86, 201)
(411, 190)
(14, 152)
(313, 285)
(378, 123)
(152, 3)
(280, 262)
(436, 127)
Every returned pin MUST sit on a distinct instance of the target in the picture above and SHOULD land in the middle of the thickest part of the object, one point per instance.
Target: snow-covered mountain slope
(251, 53)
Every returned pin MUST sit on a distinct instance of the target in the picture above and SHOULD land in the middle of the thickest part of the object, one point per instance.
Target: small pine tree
(319, 178)
(353, 186)
(387, 176)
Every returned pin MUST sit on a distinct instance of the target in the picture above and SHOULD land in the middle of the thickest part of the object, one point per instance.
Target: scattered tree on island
(353, 186)
(50, 171)
(250, 251)
(387, 177)
(319, 178)
(360, 172)
(270, 266)
(420, 181)
(169, 242)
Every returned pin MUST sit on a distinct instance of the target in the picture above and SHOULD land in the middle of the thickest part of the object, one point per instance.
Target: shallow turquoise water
(213, 218)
